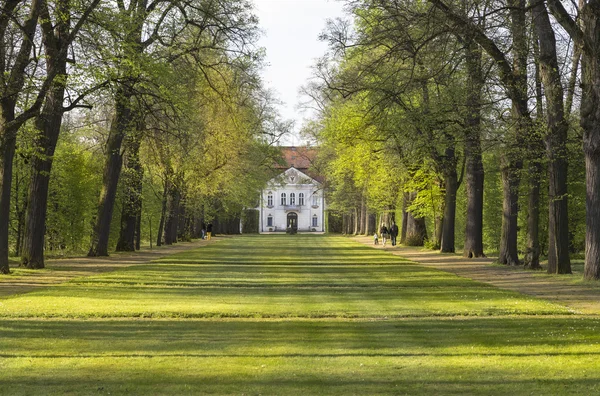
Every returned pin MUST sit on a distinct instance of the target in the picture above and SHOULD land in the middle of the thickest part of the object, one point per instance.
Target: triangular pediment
(293, 176)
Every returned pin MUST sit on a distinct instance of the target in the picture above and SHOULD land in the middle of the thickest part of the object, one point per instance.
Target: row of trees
(108, 104)
(480, 106)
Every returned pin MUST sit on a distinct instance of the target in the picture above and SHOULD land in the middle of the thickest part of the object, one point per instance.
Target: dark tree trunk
(138, 231)
(172, 214)
(7, 153)
(48, 125)
(163, 213)
(449, 220)
(438, 222)
(112, 169)
(404, 227)
(556, 145)
(590, 123)
(532, 255)
(371, 224)
(510, 209)
(474, 171)
(513, 162)
(132, 196)
(12, 81)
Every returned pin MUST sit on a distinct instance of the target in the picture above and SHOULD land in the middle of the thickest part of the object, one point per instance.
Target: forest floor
(570, 290)
(59, 270)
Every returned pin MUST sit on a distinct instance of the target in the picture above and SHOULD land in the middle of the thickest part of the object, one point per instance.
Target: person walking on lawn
(393, 233)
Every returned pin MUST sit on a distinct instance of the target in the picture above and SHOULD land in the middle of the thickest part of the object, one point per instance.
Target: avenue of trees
(475, 125)
(127, 120)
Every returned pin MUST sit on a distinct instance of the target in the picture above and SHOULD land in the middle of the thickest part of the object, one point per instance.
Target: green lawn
(265, 315)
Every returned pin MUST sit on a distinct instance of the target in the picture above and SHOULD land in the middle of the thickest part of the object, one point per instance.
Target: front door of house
(292, 221)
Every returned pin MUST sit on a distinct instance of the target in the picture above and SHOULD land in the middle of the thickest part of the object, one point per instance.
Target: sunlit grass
(291, 315)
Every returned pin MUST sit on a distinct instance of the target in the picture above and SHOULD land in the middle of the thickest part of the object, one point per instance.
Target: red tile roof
(301, 158)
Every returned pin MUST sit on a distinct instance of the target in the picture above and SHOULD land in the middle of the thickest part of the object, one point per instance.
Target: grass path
(289, 315)
(570, 290)
(22, 280)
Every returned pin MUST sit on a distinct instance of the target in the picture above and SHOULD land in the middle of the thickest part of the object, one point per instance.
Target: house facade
(293, 199)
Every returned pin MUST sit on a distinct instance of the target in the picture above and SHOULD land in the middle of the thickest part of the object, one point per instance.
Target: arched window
(270, 221)
(315, 221)
(315, 200)
(270, 199)
(292, 199)
(283, 199)
(301, 199)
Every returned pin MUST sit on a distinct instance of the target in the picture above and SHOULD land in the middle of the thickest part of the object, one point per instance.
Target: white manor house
(293, 199)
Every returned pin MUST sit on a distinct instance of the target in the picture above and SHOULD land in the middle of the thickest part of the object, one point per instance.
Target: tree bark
(556, 145)
(48, 125)
(587, 36)
(112, 170)
(163, 212)
(510, 209)
(12, 80)
(404, 227)
(474, 171)
(132, 197)
(590, 122)
(171, 220)
(449, 219)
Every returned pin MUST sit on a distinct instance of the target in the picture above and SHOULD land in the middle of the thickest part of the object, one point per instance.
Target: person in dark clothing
(393, 233)
(384, 234)
(208, 231)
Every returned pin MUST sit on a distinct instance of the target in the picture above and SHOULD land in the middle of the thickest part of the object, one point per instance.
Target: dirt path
(569, 290)
(63, 270)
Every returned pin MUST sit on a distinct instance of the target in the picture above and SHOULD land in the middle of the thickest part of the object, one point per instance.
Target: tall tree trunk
(556, 145)
(171, 221)
(12, 80)
(7, 153)
(474, 171)
(449, 219)
(532, 255)
(535, 142)
(132, 197)
(138, 230)
(163, 212)
(120, 125)
(404, 228)
(510, 209)
(590, 123)
(513, 162)
(48, 125)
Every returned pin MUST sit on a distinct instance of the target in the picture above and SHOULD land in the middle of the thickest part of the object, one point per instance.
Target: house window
(292, 199)
(283, 199)
(270, 221)
(315, 200)
(314, 221)
(301, 199)
(270, 199)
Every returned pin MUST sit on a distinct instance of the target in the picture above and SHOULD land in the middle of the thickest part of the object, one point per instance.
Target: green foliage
(74, 184)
